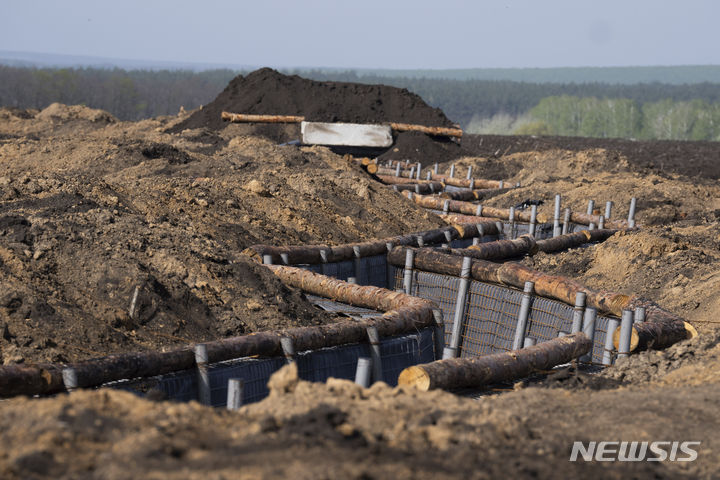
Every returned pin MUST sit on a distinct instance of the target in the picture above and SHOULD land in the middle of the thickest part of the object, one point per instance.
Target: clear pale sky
(428, 34)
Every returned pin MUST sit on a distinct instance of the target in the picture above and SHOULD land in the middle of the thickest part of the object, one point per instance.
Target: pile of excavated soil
(269, 92)
(337, 429)
(91, 210)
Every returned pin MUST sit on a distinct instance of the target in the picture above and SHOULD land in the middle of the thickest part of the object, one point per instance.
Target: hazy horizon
(372, 34)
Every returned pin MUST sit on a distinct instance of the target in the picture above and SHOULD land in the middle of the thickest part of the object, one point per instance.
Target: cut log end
(415, 377)
(372, 168)
(690, 331)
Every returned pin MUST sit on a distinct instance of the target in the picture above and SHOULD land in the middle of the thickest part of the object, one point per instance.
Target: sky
(423, 34)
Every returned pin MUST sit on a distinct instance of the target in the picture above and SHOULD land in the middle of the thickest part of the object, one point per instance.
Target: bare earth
(92, 208)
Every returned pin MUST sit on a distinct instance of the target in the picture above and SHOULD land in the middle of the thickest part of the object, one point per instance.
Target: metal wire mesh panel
(397, 353)
(441, 289)
(491, 314)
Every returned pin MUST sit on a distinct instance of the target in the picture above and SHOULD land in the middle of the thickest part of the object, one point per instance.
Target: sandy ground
(93, 208)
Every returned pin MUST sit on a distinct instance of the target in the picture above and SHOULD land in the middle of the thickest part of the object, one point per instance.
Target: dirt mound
(695, 159)
(337, 429)
(269, 92)
(94, 213)
(60, 112)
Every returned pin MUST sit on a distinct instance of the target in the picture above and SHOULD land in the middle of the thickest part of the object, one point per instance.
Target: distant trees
(651, 110)
(621, 117)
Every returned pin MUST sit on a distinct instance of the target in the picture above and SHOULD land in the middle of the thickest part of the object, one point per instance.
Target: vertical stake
(452, 170)
(203, 375)
(523, 315)
(408, 273)
(631, 213)
(374, 339)
(469, 173)
(288, 349)
(625, 333)
(608, 209)
(267, 259)
(363, 372)
(589, 331)
(556, 217)
(235, 393)
(452, 350)
(566, 222)
(578, 312)
(591, 207)
(69, 376)
(609, 346)
(533, 220)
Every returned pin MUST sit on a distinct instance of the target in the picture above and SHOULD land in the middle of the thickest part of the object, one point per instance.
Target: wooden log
(371, 168)
(30, 379)
(656, 335)
(454, 373)
(470, 230)
(573, 240)
(467, 208)
(390, 172)
(456, 219)
(586, 219)
(436, 131)
(311, 254)
(393, 180)
(499, 249)
(249, 118)
(473, 195)
(515, 275)
(422, 188)
(465, 183)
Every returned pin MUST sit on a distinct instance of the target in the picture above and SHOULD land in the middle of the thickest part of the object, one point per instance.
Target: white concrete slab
(346, 134)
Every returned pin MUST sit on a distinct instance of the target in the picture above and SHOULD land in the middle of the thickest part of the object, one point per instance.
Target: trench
(462, 316)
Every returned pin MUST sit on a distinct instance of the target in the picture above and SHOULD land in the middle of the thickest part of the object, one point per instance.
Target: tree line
(594, 109)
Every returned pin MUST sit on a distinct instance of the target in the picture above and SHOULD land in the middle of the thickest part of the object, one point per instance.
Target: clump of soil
(90, 213)
(269, 92)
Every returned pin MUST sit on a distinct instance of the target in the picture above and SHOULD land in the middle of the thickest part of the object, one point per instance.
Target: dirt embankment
(93, 209)
(337, 429)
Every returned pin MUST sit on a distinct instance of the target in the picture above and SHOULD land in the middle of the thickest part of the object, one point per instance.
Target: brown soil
(339, 430)
(92, 208)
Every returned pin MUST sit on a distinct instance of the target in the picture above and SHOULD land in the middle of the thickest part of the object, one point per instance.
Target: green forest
(633, 110)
